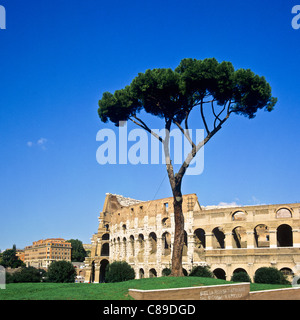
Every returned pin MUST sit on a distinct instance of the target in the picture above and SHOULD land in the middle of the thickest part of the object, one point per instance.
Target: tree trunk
(178, 236)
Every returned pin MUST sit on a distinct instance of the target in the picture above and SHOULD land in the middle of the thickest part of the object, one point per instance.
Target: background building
(41, 253)
(228, 239)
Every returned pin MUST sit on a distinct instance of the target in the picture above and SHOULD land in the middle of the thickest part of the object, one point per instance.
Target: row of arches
(220, 273)
(238, 239)
(280, 213)
(261, 234)
(239, 215)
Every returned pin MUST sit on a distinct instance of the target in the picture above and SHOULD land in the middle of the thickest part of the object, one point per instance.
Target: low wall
(278, 294)
(239, 291)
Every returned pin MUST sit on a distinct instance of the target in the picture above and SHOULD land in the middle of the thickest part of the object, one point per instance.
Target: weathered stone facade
(228, 239)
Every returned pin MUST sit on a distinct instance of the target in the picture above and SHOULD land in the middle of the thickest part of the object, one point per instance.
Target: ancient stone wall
(228, 239)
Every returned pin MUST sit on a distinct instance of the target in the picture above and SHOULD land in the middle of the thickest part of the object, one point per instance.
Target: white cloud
(223, 205)
(228, 204)
(40, 143)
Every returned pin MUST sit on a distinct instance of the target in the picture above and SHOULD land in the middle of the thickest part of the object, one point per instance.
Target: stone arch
(152, 243)
(103, 265)
(262, 236)
(283, 212)
(166, 223)
(166, 243)
(288, 272)
(284, 236)
(141, 273)
(105, 236)
(199, 236)
(131, 249)
(92, 277)
(152, 273)
(185, 244)
(105, 250)
(218, 238)
(124, 243)
(239, 235)
(219, 273)
(141, 247)
(239, 215)
(238, 270)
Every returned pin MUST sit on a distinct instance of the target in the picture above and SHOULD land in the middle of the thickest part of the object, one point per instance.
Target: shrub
(201, 271)
(270, 276)
(61, 272)
(240, 277)
(119, 271)
(166, 272)
(26, 274)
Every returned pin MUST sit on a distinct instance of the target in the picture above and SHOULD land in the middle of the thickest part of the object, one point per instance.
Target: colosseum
(228, 239)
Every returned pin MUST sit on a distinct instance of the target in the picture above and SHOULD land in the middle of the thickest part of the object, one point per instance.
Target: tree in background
(10, 260)
(61, 272)
(215, 89)
(78, 252)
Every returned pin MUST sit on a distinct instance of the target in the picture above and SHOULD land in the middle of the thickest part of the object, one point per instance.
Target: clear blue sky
(58, 57)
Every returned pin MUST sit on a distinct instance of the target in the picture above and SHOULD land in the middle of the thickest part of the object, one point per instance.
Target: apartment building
(41, 253)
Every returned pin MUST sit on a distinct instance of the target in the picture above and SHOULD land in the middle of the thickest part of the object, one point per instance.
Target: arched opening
(141, 244)
(105, 250)
(239, 216)
(105, 236)
(166, 223)
(152, 243)
(283, 213)
(185, 245)
(218, 239)
(152, 273)
(240, 237)
(141, 274)
(199, 235)
(92, 277)
(131, 240)
(238, 270)
(262, 236)
(103, 265)
(124, 248)
(284, 236)
(288, 273)
(166, 244)
(118, 248)
(141, 240)
(219, 274)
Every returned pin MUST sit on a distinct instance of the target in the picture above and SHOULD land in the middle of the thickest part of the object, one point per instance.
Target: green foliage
(78, 253)
(270, 276)
(61, 272)
(119, 271)
(26, 274)
(166, 272)
(240, 277)
(201, 271)
(10, 260)
(172, 94)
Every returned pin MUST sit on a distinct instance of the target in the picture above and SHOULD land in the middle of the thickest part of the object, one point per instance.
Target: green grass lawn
(106, 291)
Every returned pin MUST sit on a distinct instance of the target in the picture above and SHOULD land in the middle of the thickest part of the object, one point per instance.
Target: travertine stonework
(228, 239)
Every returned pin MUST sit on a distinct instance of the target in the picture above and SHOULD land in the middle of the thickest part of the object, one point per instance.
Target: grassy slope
(105, 291)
